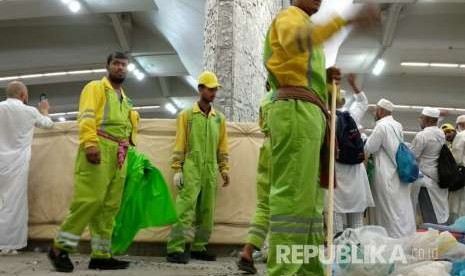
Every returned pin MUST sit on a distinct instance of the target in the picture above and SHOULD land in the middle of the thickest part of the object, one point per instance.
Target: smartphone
(43, 97)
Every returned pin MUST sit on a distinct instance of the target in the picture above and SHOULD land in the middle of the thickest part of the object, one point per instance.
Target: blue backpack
(406, 163)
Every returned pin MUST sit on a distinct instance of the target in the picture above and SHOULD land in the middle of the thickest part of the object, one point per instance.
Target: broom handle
(330, 214)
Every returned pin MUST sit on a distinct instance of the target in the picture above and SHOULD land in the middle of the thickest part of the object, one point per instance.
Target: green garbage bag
(146, 202)
(371, 169)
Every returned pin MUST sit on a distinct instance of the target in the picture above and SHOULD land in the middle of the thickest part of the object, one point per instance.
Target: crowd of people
(293, 162)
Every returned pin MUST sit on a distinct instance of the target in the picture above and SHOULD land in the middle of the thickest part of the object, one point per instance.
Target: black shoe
(178, 258)
(108, 264)
(203, 256)
(246, 266)
(61, 263)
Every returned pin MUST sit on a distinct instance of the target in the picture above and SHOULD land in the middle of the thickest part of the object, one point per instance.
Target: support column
(235, 32)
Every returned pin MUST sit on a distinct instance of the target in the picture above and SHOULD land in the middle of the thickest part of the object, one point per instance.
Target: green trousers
(195, 206)
(261, 220)
(296, 200)
(96, 201)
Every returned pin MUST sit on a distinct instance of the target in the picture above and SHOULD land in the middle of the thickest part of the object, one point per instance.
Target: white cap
(431, 112)
(385, 104)
(460, 119)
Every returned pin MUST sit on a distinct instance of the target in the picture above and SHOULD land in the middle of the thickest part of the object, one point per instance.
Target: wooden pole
(330, 209)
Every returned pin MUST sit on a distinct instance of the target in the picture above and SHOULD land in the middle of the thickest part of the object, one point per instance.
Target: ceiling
(165, 40)
(420, 31)
(44, 36)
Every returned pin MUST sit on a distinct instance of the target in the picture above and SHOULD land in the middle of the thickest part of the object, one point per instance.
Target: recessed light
(74, 6)
(449, 65)
(379, 67)
(415, 64)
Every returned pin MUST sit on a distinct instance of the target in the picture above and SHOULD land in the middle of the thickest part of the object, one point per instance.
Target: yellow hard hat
(445, 127)
(209, 79)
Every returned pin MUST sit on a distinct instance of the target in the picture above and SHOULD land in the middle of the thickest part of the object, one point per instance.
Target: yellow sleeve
(223, 152)
(89, 103)
(135, 119)
(180, 147)
(297, 36)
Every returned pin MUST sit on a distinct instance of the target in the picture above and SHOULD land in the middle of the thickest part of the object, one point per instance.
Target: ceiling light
(74, 6)
(450, 65)
(170, 107)
(131, 67)
(139, 75)
(58, 114)
(462, 66)
(419, 108)
(80, 72)
(379, 67)
(31, 76)
(415, 64)
(54, 74)
(62, 119)
(9, 78)
(99, 70)
(147, 107)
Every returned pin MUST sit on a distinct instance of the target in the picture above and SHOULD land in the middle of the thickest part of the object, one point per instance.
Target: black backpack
(351, 146)
(451, 176)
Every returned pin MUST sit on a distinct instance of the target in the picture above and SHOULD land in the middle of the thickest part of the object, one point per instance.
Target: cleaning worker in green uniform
(107, 124)
(299, 132)
(260, 222)
(201, 150)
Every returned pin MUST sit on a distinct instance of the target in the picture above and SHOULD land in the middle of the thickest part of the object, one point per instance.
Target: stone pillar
(235, 31)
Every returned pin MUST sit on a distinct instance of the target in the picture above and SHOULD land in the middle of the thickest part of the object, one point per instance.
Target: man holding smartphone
(16, 131)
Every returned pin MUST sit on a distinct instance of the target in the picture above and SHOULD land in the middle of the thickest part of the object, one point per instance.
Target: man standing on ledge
(299, 121)
(107, 125)
(201, 149)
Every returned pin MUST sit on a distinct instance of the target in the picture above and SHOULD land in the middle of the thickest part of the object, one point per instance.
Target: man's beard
(116, 79)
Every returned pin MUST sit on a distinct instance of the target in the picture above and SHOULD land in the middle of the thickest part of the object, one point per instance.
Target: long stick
(330, 209)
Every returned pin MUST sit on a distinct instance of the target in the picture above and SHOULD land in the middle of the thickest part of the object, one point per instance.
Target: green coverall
(294, 57)
(98, 187)
(261, 221)
(202, 140)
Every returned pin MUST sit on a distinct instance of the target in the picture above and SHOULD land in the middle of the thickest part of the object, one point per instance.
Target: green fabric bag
(371, 169)
(146, 202)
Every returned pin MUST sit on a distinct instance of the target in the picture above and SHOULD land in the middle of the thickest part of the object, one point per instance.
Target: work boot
(246, 262)
(108, 264)
(178, 258)
(60, 260)
(203, 256)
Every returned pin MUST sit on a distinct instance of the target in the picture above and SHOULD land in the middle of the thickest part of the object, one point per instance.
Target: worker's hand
(444, 113)
(93, 155)
(178, 180)
(351, 78)
(226, 179)
(333, 73)
(44, 107)
(367, 17)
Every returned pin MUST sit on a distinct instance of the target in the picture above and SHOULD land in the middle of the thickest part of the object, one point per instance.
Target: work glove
(178, 180)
